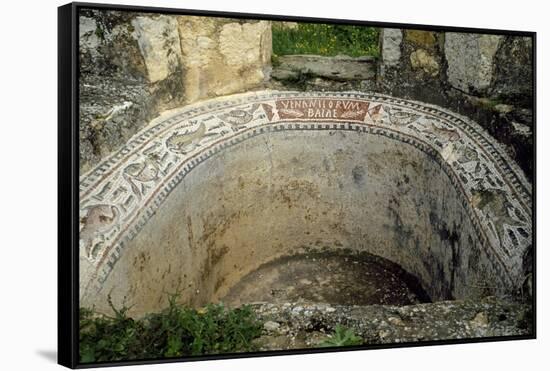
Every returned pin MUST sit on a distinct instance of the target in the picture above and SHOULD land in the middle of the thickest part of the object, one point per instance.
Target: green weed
(342, 337)
(174, 332)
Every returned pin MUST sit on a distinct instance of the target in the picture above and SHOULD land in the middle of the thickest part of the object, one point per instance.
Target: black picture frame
(68, 179)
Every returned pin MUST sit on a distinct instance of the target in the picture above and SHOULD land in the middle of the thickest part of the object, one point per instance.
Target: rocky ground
(298, 326)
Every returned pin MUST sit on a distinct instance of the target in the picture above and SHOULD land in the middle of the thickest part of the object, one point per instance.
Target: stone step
(339, 68)
(308, 325)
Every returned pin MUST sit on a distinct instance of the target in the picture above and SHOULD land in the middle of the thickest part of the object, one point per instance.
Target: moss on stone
(425, 39)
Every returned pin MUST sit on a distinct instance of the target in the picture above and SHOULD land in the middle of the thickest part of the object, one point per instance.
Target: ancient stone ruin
(219, 192)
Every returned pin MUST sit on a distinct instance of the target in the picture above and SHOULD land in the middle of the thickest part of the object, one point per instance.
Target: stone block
(470, 59)
(391, 46)
(223, 56)
(423, 60)
(425, 39)
(159, 43)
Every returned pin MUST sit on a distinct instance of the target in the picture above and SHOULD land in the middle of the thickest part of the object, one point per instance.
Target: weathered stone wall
(134, 66)
(486, 77)
(495, 67)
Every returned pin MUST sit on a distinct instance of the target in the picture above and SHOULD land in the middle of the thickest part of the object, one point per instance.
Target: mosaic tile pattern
(119, 196)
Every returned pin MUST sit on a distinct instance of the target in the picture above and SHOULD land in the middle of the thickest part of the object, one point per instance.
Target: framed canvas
(236, 185)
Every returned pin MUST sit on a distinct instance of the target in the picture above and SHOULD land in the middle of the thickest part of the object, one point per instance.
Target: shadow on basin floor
(333, 278)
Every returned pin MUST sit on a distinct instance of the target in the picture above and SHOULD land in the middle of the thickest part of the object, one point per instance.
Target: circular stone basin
(206, 195)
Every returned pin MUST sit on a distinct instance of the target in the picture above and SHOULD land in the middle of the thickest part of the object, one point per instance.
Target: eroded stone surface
(424, 39)
(111, 111)
(158, 62)
(223, 56)
(391, 45)
(308, 325)
(421, 59)
(445, 202)
(470, 60)
(339, 68)
(513, 70)
(159, 43)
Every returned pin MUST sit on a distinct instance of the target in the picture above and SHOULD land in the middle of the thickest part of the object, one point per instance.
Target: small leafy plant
(342, 337)
(174, 332)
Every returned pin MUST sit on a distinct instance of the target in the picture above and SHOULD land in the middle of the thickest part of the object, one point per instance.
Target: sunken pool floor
(332, 278)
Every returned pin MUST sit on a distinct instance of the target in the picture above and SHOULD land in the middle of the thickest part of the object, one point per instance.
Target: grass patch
(174, 332)
(342, 337)
(325, 39)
